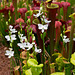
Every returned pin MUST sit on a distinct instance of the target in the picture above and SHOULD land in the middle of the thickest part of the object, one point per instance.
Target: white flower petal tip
(38, 14)
(11, 37)
(25, 45)
(73, 39)
(42, 27)
(65, 39)
(37, 50)
(9, 53)
(10, 27)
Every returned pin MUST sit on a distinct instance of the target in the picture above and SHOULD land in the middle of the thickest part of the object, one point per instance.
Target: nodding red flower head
(6, 10)
(59, 4)
(65, 4)
(11, 8)
(58, 30)
(57, 24)
(19, 20)
(22, 12)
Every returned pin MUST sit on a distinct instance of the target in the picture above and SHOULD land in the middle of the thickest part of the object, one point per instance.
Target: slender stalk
(67, 69)
(71, 38)
(44, 67)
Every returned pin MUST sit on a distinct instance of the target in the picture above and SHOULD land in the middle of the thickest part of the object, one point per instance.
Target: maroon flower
(58, 30)
(22, 12)
(6, 10)
(65, 6)
(19, 20)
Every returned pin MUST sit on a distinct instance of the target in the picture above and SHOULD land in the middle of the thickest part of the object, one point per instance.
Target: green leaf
(28, 72)
(32, 62)
(36, 71)
(41, 36)
(58, 73)
(40, 65)
(72, 60)
(44, 34)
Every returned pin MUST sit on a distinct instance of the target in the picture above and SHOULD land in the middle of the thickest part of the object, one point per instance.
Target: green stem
(44, 67)
(71, 38)
(67, 69)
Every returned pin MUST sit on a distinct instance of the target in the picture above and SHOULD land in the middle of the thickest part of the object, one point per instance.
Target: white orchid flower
(10, 49)
(20, 35)
(65, 39)
(42, 27)
(37, 50)
(45, 20)
(38, 14)
(22, 38)
(9, 53)
(11, 37)
(21, 45)
(13, 31)
(10, 27)
(73, 39)
(25, 45)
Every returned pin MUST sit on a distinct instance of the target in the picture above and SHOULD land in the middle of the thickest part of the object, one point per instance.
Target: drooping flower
(19, 20)
(58, 30)
(65, 5)
(9, 53)
(6, 10)
(11, 37)
(42, 27)
(22, 12)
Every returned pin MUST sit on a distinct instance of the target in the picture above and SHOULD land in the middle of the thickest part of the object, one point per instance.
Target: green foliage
(58, 73)
(32, 67)
(72, 60)
(28, 72)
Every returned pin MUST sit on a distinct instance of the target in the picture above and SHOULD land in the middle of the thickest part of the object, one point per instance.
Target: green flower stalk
(52, 9)
(71, 34)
